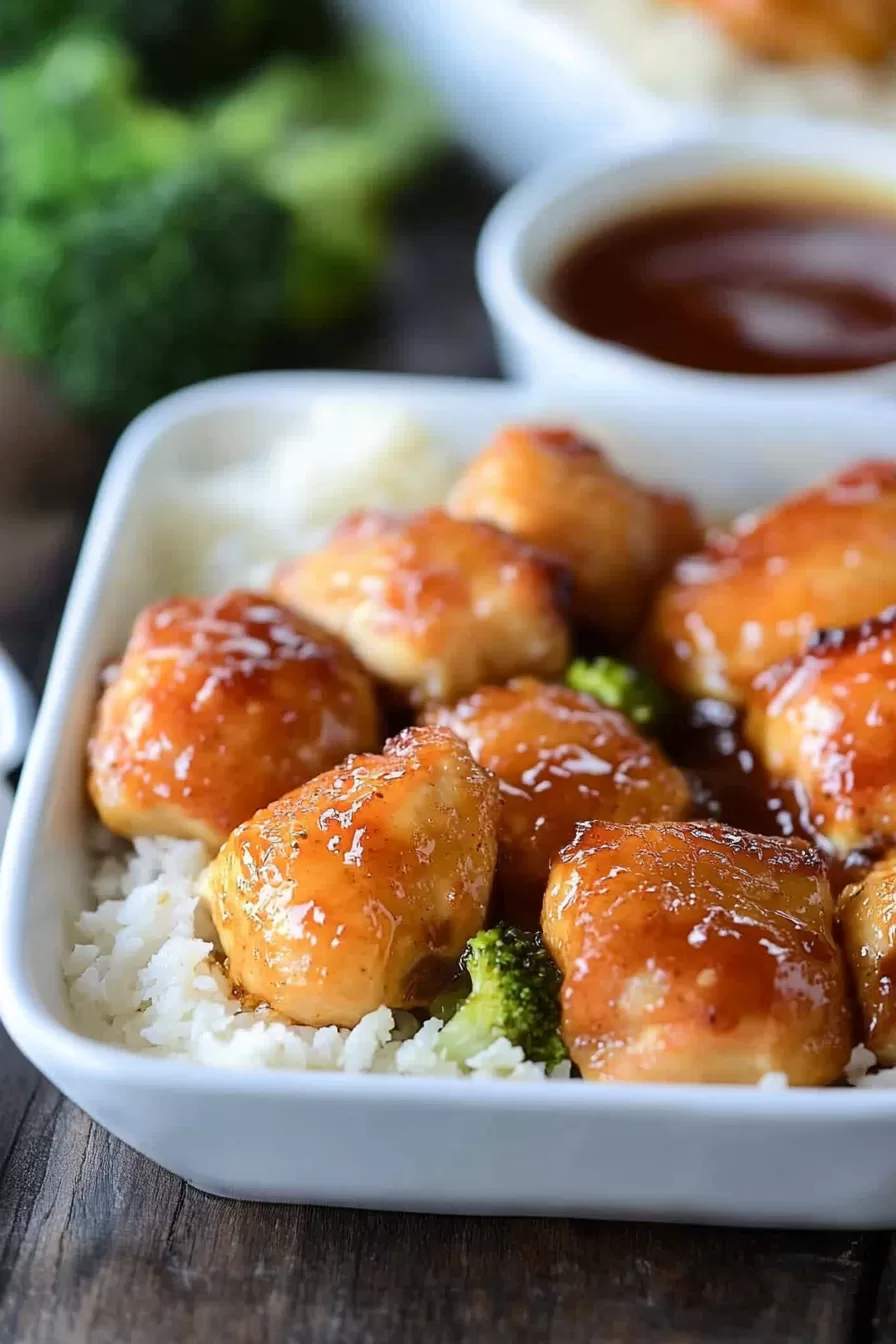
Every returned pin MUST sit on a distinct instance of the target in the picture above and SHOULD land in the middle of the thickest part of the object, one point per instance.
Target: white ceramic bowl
(537, 221)
(522, 87)
(517, 87)
(731, 1154)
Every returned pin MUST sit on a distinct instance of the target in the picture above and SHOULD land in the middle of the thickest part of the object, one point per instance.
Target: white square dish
(719, 1154)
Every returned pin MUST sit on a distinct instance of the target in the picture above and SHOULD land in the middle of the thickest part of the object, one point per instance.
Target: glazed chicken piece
(821, 559)
(560, 759)
(432, 605)
(220, 705)
(362, 887)
(807, 31)
(866, 913)
(695, 953)
(553, 489)
(826, 722)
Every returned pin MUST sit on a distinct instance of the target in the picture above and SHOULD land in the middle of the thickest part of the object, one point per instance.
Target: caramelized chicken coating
(362, 887)
(866, 913)
(820, 559)
(560, 759)
(826, 722)
(220, 705)
(695, 953)
(432, 605)
(807, 31)
(553, 489)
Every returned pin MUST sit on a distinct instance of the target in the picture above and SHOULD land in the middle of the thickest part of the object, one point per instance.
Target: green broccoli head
(25, 24)
(619, 686)
(329, 140)
(514, 993)
(144, 248)
(178, 279)
(73, 131)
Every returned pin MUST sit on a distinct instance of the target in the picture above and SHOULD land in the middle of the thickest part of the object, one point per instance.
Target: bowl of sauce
(701, 259)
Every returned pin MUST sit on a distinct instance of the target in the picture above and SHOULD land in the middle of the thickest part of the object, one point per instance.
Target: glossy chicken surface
(434, 606)
(555, 490)
(692, 952)
(822, 559)
(218, 706)
(560, 759)
(807, 31)
(866, 914)
(362, 887)
(826, 721)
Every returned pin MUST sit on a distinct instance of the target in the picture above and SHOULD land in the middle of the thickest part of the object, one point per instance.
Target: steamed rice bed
(143, 972)
(677, 53)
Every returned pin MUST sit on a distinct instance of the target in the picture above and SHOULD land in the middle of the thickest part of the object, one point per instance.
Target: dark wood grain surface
(99, 1246)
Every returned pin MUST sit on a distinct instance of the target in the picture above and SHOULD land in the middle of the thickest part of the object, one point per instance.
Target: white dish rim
(512, 303)
(49, 1042)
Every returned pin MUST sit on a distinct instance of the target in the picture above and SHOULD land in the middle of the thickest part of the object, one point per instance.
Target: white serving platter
(718, 1154)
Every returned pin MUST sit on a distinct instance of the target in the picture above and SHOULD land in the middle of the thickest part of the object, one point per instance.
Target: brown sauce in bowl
(769, 287)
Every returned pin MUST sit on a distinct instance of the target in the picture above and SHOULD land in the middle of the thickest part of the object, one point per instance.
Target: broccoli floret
(73, 131)
(619, 686)
(177, 280)
(144, 248)
(514, 993)
(329, 141)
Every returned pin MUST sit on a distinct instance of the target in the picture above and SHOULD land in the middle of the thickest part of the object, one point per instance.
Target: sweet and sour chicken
(693, 952)
(866, 914)
(552, 488)
(432, 605)
(807, 31)
(362, 887)
(346, 880)
(218, 706)
(821, 559)
(560, 759)
(826, 722)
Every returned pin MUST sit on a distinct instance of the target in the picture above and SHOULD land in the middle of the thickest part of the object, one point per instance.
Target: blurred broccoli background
(189, 188)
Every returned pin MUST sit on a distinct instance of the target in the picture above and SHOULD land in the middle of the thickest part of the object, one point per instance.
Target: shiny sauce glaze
(218, 706)
(361, 887)
(560, 760)
(770, 287)
(696, 953)
(730, 784)
(828, 720)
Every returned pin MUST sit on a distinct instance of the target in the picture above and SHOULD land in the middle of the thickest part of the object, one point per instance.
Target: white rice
(143, 974)
(230, 524)
(676, 53)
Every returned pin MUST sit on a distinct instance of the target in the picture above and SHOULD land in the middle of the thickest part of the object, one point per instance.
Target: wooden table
(98, 1246)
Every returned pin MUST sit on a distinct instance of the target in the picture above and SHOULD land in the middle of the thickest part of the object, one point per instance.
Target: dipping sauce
(751, 286)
